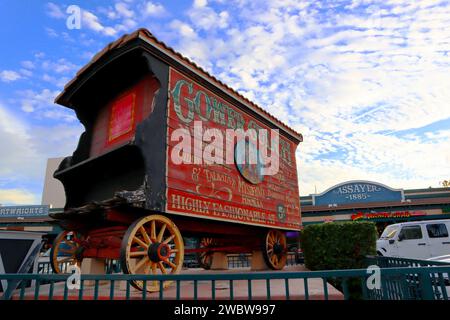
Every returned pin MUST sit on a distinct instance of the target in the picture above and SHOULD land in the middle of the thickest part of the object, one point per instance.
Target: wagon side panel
(226, 192)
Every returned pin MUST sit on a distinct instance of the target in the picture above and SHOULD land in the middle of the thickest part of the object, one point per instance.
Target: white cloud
(123, 10)
(56, 81)
(17, 197)
(26, 72)
(25, 149)
(343, 78)
(183, 29)
(51, 32)
(200, 3)
(9, 76)
(60, 66)
(204, 17)
(54, 11)
(28, 64)
(91, 21)
(39, 55)
(154, 9)
(352, 76)
(42, 105)
(18, 154)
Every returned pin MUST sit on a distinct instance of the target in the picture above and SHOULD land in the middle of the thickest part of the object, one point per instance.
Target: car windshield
(389, 232)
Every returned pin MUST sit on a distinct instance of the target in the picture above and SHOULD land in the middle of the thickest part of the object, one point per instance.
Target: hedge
(339, 245)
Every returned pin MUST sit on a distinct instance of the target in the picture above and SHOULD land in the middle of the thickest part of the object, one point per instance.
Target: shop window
(438, 230)
(411, 233)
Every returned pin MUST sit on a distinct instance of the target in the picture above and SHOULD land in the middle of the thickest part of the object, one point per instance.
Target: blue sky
(367, 82)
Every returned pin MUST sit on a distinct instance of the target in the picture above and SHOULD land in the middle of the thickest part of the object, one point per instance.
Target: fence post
(426, 289)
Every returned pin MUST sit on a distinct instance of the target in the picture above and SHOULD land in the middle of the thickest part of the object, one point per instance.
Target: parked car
(415, 240)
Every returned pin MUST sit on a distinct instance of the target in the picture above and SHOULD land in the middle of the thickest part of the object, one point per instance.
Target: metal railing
(419, 283)
(393, 262)
(410, 285)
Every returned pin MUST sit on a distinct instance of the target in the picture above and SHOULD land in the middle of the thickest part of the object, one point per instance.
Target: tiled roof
(147, 36)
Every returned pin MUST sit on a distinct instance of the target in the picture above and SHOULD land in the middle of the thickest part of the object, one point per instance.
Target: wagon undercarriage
(148, 242)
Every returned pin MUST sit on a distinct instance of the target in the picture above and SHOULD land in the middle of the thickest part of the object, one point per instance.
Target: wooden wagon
(129, 199)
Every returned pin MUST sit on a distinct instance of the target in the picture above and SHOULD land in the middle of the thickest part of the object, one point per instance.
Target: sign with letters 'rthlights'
(24, 211)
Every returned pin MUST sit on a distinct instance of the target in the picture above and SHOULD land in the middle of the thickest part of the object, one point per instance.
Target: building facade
(361, 200)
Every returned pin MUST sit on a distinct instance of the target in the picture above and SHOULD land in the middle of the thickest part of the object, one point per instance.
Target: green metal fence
(393, 262)
(419, 283)
(410, 285)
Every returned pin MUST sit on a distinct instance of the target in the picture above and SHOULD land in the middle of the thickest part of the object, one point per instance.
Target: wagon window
(411, 233)
(438, 230)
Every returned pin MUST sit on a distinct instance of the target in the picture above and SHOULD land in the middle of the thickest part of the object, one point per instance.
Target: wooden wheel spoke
(147, 266)
(140, 242)
(145, 235)
(275, 259)
(140, 264)
(170, 263)
(162, 268)
(161, 233)
(153, 267)
(64, 251)
(153, 231)
(138, 253)
(169, 239)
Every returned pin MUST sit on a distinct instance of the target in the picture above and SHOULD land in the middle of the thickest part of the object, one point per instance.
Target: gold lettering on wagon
(190, 204)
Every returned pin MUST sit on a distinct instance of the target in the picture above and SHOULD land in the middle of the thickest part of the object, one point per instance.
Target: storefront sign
(387, 215)
(24, 211)
(357, 192)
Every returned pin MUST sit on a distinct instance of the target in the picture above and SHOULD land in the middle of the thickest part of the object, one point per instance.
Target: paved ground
(222, 292)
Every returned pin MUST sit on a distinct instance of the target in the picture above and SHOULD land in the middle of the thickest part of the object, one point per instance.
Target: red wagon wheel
(275, 249)
(152, 245)
(66, 250)
(204, 258)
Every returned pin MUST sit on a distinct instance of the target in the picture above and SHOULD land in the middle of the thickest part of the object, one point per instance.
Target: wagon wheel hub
(278, 248)
(158, 252)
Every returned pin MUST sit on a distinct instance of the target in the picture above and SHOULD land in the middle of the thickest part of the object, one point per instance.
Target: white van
(415, 240)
